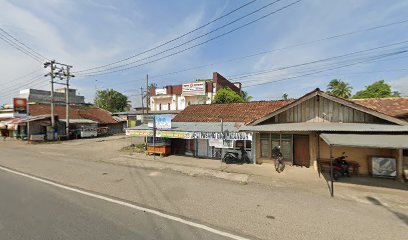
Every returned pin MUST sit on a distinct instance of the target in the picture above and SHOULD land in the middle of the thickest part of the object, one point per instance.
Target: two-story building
(178, 97)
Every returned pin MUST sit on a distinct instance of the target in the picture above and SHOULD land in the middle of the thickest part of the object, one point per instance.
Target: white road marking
(157, 213)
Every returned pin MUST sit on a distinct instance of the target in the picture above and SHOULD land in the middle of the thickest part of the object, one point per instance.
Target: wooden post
(318, 154)
(400, 165)
(331, 172)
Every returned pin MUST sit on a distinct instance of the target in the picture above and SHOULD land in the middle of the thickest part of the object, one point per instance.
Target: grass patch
(138, 148)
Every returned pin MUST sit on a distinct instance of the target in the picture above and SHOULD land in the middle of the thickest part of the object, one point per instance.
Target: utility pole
(67, 75)
(51, 74)
(147, 94)
(61, 74)
(141, 91)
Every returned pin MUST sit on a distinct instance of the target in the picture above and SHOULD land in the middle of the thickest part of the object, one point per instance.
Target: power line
(321, 67)
(280, 49)
(17, 79)
(103, 72)
(12, 44)
(319, 71)
(191, 40)
(34, 81)
(172, 40)
(27, 47)
(241, 75)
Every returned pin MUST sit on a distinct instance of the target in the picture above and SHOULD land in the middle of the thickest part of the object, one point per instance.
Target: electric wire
(39, 55)
(103, 72)
(172, 40)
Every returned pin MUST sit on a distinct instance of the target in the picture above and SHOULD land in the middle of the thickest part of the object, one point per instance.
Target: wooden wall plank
(321, 109)
(341, 111)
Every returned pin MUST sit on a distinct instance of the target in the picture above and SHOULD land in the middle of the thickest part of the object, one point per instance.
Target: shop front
(201, 143)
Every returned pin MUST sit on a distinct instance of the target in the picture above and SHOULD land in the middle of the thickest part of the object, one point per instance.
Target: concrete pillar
(400, 165)
(253, 148)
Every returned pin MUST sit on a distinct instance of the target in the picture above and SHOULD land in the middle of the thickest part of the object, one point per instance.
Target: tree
(339, 88)
(245, 96)
(285, 96)
(227, 95)
(379, 89)
(112, 101)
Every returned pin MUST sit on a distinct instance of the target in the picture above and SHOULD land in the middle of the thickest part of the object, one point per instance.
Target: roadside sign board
(20, 105)
(163, 122)
(194, 89)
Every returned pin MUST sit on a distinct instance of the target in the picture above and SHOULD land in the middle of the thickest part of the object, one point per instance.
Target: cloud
(400, 85)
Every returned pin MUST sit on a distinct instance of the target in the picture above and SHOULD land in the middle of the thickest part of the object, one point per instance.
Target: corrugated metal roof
(79, 121)
(198, 126)
(322, 127)
(365, 140)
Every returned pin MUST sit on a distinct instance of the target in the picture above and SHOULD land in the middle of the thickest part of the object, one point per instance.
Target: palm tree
(245, 96)
(285, 96)
(339, 88)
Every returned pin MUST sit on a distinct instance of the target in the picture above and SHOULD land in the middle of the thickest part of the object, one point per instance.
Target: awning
(366, 140)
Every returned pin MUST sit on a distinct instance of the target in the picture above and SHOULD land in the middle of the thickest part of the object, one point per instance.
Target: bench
(324, 165)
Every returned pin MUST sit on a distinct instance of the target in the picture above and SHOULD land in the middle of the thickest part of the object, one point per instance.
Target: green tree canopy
(112, 101)
(379, 89)
(339, 88)
(285, 96)
(227, 95)
(245, 96)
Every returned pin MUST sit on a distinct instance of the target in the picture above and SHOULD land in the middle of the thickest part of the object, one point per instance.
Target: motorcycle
(279, 163)
(340, 167)
(232, 157)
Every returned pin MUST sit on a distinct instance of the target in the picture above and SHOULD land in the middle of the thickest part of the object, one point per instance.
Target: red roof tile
(75, 112)
(394, 107)
(232, 112)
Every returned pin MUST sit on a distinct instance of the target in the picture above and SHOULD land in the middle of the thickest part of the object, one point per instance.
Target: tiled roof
(75, 112)
(232, 112)
(394, 107)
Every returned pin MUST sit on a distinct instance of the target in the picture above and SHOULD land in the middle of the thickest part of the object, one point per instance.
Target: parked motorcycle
(340, 167)
(232, 157)
(279, 162)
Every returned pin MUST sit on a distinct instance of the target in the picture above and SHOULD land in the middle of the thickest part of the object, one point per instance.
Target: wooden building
(298, 126)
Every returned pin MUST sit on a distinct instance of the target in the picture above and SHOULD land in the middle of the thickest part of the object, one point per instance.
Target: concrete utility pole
(51, 64)
(147, 93)
(67, 75)
(141, 91)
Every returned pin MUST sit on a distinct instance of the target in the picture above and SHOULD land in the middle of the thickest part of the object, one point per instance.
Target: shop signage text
(161, 91)
(192, 135)
(195, 88)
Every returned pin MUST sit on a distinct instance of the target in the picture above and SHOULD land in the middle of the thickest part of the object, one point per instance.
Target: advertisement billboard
(194, 89)
(163, 121)
(20, 105)
(161, 91)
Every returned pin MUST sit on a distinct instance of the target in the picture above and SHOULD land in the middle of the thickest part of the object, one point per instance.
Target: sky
(93, 33)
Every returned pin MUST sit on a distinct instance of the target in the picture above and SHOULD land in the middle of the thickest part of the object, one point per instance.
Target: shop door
(301, 150)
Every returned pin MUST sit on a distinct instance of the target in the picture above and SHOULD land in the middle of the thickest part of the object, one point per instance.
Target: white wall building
(178, 97)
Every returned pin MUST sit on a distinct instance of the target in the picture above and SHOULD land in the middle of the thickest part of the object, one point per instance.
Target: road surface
(34, 210)
(276, 211)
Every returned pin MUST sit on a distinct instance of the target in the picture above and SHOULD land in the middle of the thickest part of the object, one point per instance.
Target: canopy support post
(331, 171)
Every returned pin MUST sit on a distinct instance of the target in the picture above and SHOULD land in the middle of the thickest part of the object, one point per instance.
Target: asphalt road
(276, 211)
(34, 210)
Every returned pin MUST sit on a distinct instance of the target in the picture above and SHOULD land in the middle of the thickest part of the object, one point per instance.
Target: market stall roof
(198, 126)
(78, 121)
(325, 127)
(366, 140)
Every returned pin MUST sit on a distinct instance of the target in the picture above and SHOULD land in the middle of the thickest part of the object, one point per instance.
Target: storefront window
(243, 143)
(285, 141)
(265, 144)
